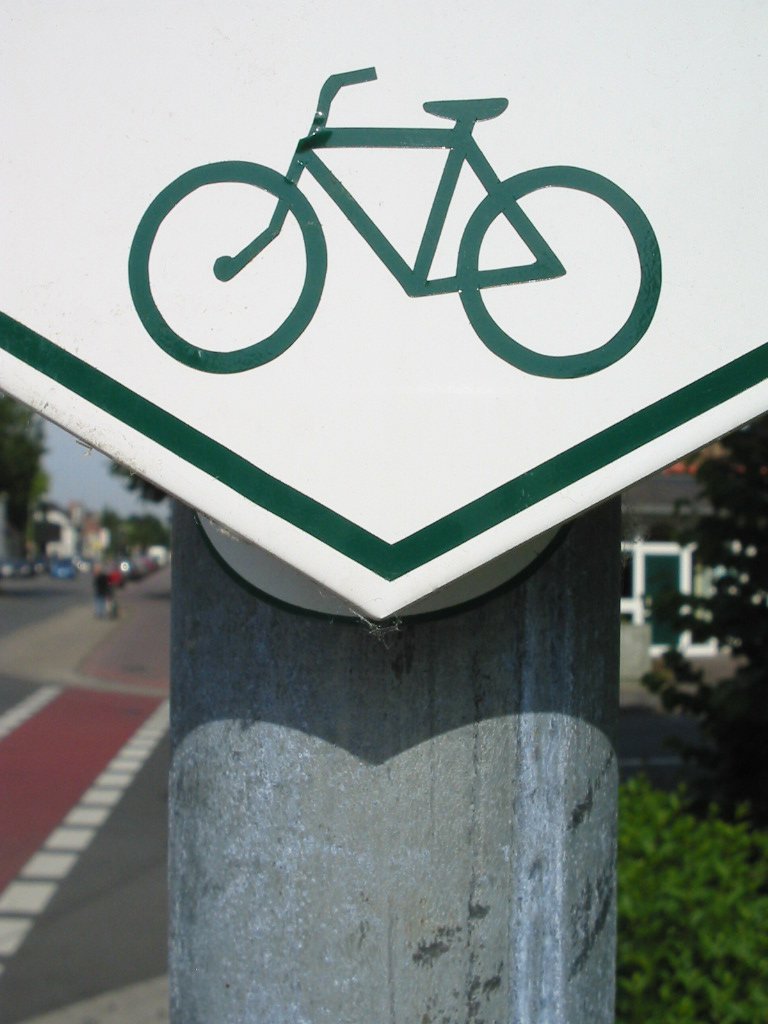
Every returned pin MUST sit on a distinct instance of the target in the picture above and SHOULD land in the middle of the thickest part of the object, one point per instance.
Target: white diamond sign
(386, 292)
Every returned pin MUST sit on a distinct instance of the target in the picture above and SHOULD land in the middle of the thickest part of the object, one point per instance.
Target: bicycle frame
(415, 281)
(462, 149)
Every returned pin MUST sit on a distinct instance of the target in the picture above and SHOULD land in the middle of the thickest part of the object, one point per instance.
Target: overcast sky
(81, 474)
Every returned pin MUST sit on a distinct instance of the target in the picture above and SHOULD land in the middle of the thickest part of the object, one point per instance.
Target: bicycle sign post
(387, 364)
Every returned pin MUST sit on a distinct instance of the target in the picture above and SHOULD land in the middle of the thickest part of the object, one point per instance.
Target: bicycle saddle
(467, 110)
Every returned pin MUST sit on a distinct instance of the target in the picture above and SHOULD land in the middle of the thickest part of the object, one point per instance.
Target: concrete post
(409, 828)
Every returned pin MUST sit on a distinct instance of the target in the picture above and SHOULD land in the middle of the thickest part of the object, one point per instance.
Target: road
(83, 759)
(24, 602)
(83, 763)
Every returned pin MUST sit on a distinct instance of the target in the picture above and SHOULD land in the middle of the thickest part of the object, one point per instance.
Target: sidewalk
(75, 649)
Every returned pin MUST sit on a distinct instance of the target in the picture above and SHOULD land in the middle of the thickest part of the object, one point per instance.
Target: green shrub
(732, 539)
(693, 914)
(732, 715)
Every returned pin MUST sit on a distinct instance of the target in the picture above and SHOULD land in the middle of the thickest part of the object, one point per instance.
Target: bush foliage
(693, 914)
(733, 540)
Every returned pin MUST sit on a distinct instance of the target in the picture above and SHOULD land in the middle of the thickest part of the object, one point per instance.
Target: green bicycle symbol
(469, 281)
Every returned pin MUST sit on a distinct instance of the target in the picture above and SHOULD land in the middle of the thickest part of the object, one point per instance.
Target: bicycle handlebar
(332, 86)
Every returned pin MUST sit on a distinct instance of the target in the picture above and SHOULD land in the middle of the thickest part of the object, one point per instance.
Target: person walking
(102, 592)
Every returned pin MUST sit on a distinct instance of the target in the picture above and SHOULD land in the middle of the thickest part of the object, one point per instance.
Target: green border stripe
(190, 445)
(386, 560)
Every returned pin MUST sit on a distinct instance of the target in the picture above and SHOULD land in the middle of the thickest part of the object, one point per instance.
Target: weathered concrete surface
(415, 828)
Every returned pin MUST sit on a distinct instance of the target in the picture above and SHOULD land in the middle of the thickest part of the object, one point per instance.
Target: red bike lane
(50, 760)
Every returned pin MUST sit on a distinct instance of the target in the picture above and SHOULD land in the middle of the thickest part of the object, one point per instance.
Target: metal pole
(409, 828)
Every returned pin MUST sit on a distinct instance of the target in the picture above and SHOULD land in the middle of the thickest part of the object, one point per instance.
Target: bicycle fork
(227, 267)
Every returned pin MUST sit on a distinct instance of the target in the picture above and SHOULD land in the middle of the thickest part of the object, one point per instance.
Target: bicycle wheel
(506, 197)
(264, 349)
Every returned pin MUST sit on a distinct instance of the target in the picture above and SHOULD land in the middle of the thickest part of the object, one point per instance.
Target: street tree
(144, 489)
(22, 478)
(144, 531)
(733, 540)
(135, 532)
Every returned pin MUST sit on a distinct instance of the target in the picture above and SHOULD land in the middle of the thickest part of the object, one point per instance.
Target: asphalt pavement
(30, 600)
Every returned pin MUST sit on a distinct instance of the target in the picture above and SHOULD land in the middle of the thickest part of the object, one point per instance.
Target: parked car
(15, 568)
(140, 566)
(62, 569)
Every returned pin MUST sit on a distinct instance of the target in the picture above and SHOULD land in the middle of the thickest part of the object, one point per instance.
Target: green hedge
(693, 914)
